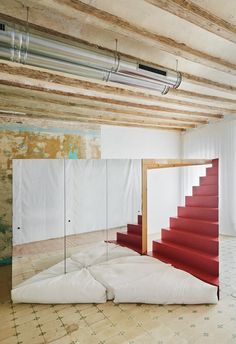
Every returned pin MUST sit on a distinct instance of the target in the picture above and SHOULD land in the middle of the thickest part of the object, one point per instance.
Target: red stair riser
(202, 201)
(139, 219)
(200, 243)
(212, 171)
(135, 240)
(210, 180)
(208, 214)
(215, 162)
(205, 190)
(193, 259)
(194, 226)
(134, 229)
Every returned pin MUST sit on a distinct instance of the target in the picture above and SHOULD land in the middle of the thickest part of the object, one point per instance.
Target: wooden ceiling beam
(196, 15)
(44, 111)
(197, 80)
(67, 37)
(72, 93)
(204, 97)
(12, 98)
(81, 119)
(10, 73)
(137, 32)
(109, 88)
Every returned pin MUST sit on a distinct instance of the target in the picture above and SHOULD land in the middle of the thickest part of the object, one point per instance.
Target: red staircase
(133, 237)
(191, 242)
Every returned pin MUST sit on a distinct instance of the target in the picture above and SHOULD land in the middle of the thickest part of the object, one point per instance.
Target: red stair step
(205, 190)
(133, 239)
(208, 278)
(201, 227)
(209, 180)
(195, 258)
(202, 201)
(196, 241)
(212, 171)
(139, 219)
(215, 162)
(134, 229)
(209, 214)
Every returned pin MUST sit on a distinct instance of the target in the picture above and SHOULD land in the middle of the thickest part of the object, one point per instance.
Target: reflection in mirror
(124, 202)
(38, 217)
(102, 197)
(86, 218)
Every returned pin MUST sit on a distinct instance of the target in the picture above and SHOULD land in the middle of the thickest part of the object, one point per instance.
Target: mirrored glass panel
(38, 218)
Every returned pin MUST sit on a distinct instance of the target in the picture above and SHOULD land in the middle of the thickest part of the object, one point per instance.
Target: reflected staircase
(133, 237)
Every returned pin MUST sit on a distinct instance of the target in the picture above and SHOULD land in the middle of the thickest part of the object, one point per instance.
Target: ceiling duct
(81, 60)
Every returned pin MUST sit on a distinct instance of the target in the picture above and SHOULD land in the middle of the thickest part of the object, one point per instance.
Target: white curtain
(216, 141)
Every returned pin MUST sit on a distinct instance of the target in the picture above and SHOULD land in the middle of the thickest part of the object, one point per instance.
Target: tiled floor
(126, 323)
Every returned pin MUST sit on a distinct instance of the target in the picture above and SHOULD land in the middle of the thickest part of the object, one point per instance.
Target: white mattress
(114, 273)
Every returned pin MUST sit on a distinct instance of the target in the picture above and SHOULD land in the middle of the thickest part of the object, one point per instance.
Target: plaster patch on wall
(18, 142)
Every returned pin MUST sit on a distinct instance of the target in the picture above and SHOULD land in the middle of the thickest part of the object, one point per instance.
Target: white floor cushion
(55, 270)
(147, 280)
(101, 252)
(73, 287)
(124, 269)
(103, 271)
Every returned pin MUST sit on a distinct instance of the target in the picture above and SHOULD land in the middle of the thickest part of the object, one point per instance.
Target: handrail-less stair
(191, 241)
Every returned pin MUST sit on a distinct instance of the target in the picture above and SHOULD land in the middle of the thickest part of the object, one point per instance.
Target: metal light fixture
(35, 50)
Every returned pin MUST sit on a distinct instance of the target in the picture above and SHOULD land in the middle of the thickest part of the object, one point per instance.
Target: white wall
(163, 185)
(138, 143)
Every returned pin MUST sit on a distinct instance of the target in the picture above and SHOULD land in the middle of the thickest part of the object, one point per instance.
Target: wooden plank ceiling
(199, 34)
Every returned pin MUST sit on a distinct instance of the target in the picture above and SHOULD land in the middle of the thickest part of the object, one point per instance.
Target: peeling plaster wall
(17, 142)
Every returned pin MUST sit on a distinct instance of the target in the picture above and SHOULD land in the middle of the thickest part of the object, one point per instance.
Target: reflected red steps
(198, 259)
(199, 213)
(202, 201)
(203, 243)
(132, 239)
(134, 229)
(128, 245)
